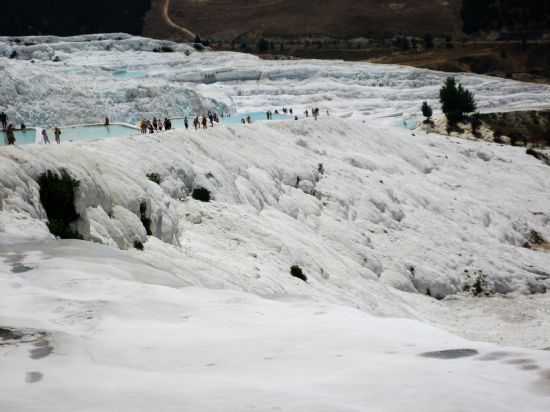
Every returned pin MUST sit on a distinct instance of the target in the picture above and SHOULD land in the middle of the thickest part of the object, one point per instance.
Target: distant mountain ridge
(71, 17)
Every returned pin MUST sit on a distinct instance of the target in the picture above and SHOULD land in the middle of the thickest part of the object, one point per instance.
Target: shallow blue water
(125, 74)
(406, 124)
(99, 132)
(117, 74)
(21, 137)
(96, 132)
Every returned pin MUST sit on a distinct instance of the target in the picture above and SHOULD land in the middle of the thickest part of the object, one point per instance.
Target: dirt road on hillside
(170, 22)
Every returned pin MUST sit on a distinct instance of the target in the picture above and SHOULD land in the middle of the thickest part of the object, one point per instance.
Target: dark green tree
(427, 112)
(456, 101)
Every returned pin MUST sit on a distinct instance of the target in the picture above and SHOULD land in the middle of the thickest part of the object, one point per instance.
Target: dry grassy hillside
(332, 18)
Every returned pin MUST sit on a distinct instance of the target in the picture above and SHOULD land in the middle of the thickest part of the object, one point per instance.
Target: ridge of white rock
(62, 81)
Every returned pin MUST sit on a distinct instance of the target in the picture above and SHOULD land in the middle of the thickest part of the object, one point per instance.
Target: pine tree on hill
(456, 101)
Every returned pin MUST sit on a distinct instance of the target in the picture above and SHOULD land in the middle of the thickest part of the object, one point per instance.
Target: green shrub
(476, 123)
(138, 245)
(144, 219)
(427, 111)
(57, 193)
(201, 193)
(154, 177)
(297, 272)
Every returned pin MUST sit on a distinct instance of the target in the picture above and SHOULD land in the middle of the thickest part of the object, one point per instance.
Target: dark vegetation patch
(163, 49)
(535, 239)
(138, 245)
(522, 127)
(154, 177)
(509, 15)
(144, 219)
(201, 193)
(57, 194)
(297, 272)
(477, 284)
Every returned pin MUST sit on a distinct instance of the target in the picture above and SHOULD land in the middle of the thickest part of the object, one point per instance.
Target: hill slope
(342, 18)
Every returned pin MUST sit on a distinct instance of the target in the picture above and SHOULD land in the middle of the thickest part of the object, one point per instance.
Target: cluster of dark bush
(297, 272)
(201, 193)
(456, 102)
(154, 177)
(509, 15)
(57, 194)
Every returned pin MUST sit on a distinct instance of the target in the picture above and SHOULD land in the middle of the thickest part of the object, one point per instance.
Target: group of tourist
(314, 112)
(56, 133)
(153, 126)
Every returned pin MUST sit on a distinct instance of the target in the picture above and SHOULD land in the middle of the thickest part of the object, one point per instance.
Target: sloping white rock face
(421, 213)
(87, 327)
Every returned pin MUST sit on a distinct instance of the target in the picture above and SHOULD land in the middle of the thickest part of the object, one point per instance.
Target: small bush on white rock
(201, 193)
(297, 272)
(154, 177)
(477, 284)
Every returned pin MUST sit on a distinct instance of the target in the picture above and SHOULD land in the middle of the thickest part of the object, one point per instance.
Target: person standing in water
(57, 133)
(10, 134)
(45, 137)
(106, 121)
